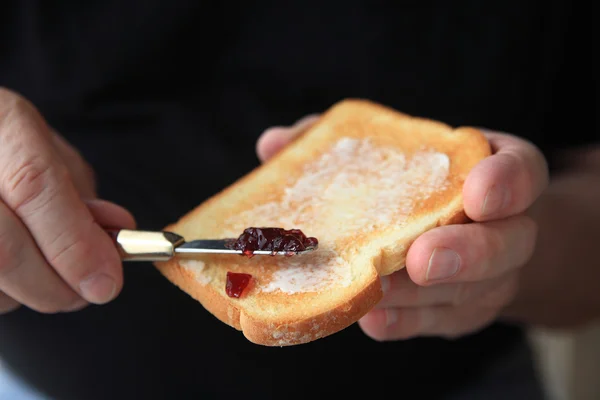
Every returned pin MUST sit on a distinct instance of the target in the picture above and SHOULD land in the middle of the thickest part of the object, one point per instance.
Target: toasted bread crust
(269, 333)
(285, 332)
(279, 318)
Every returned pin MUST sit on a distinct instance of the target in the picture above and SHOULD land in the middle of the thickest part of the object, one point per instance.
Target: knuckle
(28, 171)
(31, 184)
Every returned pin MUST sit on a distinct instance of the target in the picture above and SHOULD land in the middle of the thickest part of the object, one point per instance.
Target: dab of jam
(236, 283)
(272, 239)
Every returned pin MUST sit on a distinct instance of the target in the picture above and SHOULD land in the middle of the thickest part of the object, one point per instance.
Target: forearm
(560, 286)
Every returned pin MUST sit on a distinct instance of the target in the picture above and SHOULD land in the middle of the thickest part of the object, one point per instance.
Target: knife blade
(139, 245)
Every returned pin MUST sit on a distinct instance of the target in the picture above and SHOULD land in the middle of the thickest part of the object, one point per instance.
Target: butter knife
(139, 245)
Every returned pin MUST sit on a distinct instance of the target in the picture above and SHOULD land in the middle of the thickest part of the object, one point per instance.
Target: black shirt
(166, 100)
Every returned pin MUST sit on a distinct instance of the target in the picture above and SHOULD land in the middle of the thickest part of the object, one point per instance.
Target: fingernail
(98, 289)
(384, 281)
(391, 317)
(443, 264)
(495, 200)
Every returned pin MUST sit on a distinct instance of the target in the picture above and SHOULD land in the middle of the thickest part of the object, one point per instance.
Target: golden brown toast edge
(285, 333)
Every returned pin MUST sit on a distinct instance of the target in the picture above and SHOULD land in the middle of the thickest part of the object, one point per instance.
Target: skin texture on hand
(458, 278)
(54, 253)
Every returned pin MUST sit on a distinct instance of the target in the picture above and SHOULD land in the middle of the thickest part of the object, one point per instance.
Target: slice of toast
(365, 180)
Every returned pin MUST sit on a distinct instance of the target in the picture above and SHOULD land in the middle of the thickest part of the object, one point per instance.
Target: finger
(274, 139)
(407, 323)
(24, 274)
(507, 182)
(400, 291)
(7, 304)
(110, 215)
(81, 172)
(36, 184)
(471, 252)
(447, 321)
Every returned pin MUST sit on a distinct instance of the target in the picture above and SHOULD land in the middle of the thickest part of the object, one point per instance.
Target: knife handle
(134, 245)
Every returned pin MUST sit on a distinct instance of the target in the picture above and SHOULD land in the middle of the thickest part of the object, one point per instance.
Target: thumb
(276, 138)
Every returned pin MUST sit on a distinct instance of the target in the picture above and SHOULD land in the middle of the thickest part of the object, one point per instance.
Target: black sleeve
(572, 115)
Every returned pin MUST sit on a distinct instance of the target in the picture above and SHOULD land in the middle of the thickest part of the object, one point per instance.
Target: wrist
(559, 285)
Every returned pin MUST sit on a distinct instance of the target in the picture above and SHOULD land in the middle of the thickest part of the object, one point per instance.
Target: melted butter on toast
(354, 188)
